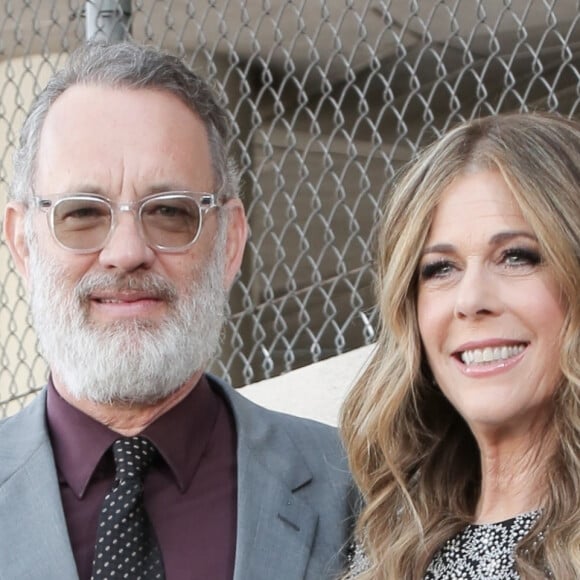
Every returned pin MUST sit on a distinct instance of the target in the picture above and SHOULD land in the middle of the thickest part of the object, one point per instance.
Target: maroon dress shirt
(190, 492)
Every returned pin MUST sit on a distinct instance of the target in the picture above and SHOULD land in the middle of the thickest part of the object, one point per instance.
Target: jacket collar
(276, 526)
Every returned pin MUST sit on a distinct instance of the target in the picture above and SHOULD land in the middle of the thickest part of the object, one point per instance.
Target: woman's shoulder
(478, 551)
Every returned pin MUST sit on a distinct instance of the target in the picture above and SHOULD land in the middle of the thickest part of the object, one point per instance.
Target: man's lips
(113, 306)
(123, 297)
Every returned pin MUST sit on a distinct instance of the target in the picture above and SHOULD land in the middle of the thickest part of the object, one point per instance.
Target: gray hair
(128, 65)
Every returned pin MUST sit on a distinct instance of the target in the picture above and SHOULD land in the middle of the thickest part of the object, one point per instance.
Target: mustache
(153, 284)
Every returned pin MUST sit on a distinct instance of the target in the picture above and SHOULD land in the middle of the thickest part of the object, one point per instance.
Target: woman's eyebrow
(438, 249)
(496, 239)
(510, 235)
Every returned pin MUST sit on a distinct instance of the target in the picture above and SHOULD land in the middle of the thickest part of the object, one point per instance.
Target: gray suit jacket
(294, 498)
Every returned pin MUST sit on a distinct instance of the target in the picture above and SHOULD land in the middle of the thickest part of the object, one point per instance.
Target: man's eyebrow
(495, 240)
(84, 187)
(166, 186)
(93, 188)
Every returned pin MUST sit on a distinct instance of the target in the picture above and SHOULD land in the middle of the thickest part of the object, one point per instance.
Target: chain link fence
(328, 98)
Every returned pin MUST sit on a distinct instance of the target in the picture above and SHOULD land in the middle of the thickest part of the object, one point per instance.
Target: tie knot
(133, 456)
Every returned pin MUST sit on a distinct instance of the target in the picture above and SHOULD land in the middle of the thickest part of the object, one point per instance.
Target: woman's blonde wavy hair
(412, 455)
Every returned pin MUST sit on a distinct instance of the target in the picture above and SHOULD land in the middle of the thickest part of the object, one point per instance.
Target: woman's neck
(513, 476)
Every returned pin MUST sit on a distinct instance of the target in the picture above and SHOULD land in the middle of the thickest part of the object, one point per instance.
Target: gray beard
(129, 361)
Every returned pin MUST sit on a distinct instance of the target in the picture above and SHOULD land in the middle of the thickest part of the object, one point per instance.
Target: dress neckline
(532, 514)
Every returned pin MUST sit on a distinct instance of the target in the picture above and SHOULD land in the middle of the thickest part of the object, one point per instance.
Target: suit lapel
(276, 526)
(34, 542)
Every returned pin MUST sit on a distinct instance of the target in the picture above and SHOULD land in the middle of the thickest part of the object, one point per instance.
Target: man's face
(144, 321)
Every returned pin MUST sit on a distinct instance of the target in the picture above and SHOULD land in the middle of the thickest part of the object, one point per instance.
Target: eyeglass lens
(85, 223)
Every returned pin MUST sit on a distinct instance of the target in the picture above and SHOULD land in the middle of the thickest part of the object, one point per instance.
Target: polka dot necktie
(126, 546)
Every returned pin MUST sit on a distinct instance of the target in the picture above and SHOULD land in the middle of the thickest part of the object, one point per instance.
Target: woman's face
(490, 311)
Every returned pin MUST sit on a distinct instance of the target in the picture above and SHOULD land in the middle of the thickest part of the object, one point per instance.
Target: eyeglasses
(168, 222)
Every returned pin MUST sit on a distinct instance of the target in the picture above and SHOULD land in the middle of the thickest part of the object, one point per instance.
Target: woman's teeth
(490, 354)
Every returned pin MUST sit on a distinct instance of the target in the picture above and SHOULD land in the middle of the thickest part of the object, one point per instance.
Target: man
(126, 225)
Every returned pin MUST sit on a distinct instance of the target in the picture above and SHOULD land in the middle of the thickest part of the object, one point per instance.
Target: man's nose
(126, 249)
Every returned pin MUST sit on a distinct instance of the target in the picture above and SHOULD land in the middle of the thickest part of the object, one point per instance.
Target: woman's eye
(437, 269)
(521, 257)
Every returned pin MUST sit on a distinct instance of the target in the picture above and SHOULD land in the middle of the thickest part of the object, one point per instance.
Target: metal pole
(107, 20)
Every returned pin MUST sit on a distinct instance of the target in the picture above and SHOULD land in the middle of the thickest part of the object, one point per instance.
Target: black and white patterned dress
(481, 551)
(478, 552)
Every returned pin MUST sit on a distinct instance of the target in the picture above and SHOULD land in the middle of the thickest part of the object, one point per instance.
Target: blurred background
(328, 98)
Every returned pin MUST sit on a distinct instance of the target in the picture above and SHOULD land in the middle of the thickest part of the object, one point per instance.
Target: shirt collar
(181, 435)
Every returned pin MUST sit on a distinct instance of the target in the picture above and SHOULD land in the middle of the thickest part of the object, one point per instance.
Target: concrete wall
(315, 391)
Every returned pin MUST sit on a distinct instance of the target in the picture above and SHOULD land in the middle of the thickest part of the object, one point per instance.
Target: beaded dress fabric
(482, 551)
(478, 552)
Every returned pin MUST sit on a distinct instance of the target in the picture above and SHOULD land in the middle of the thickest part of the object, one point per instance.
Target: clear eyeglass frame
(203, 201)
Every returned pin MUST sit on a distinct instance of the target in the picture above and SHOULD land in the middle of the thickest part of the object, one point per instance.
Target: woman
(464, 430)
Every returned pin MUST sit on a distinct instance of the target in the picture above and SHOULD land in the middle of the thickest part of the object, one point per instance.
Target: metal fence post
(107, 20)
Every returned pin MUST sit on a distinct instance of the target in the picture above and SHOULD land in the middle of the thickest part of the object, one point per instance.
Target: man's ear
(237, 235)
(15, 234)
